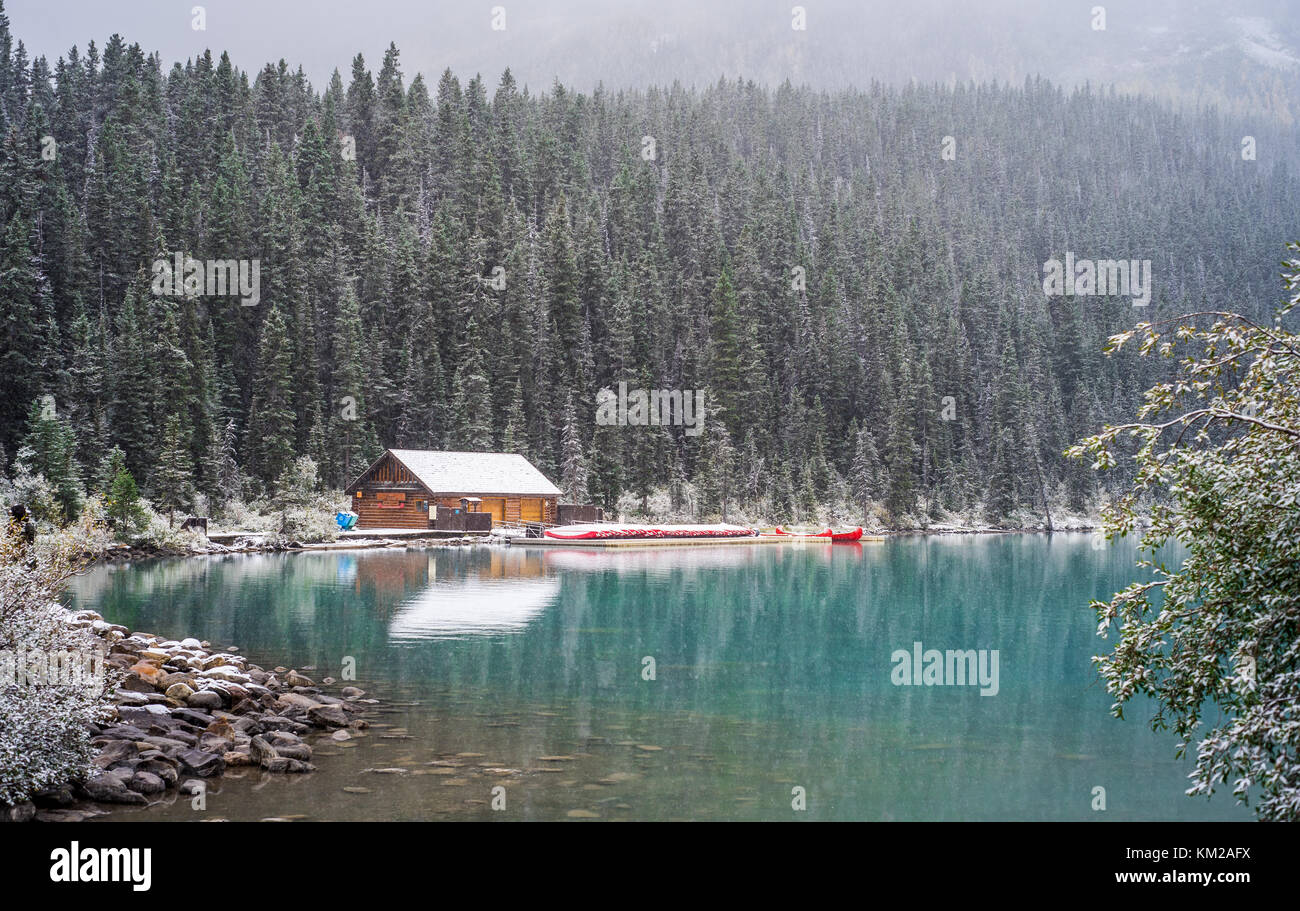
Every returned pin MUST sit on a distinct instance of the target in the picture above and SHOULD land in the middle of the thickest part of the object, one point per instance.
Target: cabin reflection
(478, 592)
(398, 572)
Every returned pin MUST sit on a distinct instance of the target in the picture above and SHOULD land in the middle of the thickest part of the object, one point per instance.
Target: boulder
(328, 716)
(247, 725)
(170, 680)
(280, 723)
(108, 788)
(180, 691)
(200, 720)
(19, 812)
(168, 745)
(296, 700)
(210, 743)
(120, 732)
(129, 698)
(201, 764)
(298, 751)
(261, 752)
(204, 699)
(230, 692)
(147, 783)
(165, 769)
(134, 684)
(226, 673)
(115, 751)
(221, 728)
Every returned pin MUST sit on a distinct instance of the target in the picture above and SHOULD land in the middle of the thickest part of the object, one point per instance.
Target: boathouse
(403, 488)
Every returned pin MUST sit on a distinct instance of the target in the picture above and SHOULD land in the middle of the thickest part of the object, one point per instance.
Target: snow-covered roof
(475, 473)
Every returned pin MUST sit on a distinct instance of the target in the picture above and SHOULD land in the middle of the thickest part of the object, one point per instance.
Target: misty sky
(1148, 45)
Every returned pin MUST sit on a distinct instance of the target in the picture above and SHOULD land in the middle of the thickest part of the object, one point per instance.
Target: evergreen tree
(173, 480)
(126, 513)
(271, 424)
(864, 479)
(50, 450)
(471, 405)
(573, 465)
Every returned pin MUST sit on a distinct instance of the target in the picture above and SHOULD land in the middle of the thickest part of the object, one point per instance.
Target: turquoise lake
(525, 669)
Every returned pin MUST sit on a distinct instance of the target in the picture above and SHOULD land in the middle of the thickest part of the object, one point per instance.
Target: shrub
(44, 734)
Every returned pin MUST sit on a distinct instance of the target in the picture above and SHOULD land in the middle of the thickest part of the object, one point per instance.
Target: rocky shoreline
(123, 552)
(183, 713)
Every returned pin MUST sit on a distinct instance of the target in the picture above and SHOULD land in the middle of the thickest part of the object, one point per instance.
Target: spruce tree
(864, 478)
(271, 425)
(173, 479)
(573, 464)
(50, 450)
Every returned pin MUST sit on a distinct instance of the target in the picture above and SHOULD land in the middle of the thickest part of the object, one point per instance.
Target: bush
(44, 734)
(305, 515)
(40, 498)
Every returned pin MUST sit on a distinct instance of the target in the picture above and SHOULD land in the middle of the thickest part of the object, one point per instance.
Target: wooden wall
(370, 514)
(510, 509)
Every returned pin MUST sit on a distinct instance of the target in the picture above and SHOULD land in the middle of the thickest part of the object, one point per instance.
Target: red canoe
(853, 534)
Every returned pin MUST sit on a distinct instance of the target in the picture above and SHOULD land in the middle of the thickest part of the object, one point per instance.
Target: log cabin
(404, 487)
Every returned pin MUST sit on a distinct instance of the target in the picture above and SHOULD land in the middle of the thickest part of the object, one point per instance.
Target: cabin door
(530, 509)
(496, 506)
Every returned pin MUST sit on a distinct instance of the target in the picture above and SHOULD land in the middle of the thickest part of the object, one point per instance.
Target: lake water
(771, 669)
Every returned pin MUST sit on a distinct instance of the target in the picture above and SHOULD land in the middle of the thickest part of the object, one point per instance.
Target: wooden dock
(356, 534)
